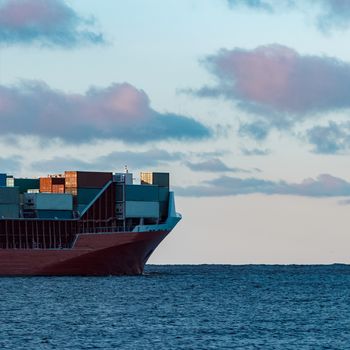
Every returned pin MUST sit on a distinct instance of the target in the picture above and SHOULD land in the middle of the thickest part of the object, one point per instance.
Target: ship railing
(106, 229)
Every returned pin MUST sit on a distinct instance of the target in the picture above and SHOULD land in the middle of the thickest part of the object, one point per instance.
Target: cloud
(276, 79)
(213, 165)
(119, 111)
(277, 86)
(323, 186)
(45, 22)
(330, 139)
(10, 165)
(255, 4)
(114, 161)
(257, 130)
(254, 152)
(137, 160)
(335, 14)
(328, 14)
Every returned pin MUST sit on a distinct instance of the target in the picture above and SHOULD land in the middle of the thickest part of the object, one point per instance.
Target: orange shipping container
(47, 183)
(57, 188)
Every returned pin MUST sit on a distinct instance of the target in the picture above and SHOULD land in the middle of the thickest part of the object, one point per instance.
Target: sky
(245, 102)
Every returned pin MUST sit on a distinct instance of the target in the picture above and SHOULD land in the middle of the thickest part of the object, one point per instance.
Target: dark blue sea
(181, 307)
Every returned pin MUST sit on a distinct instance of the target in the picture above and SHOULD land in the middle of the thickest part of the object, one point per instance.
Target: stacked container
(52, 184)
(85, 185)
(9, 202)
(162, 181)
(49, 205)
(141, 201)
(155, 178)
(125, 178)
(23, 184)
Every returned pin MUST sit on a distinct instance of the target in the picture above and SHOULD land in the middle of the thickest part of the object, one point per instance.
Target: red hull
(92, 255)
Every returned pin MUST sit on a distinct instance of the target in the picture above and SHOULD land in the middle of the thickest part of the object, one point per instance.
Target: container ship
(83, 223)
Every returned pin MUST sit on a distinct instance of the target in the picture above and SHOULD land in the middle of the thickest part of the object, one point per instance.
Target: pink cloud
(22, 13)
(119, 111)
(45, 22)
(278, 79)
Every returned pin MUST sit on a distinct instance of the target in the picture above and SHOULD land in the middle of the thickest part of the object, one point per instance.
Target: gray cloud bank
(114, 161)
(45, 22)
(213, 165)
(323, 186)
(119, 111)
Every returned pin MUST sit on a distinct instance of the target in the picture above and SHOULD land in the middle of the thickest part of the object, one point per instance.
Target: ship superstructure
(83, 223)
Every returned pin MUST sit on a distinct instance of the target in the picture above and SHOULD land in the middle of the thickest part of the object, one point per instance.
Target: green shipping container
(145, 193)
(25, 184)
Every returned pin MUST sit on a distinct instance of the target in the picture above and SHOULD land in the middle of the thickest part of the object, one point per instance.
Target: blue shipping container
(145, 193)
(2, 179)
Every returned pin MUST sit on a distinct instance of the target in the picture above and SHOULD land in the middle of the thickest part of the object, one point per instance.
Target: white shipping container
(33, 190)
(48, 201)
(138, 209)
(10, 181)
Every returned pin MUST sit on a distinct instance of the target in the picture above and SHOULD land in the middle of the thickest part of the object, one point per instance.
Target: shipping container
(10, 211)
(146, 193)
(152, 178)
(47, 184)
(25, 184)
(33, 190)
(3, 179)
(81, 179)
(10, 181)
(140, 209)
(123, 178)
(48, 201)
(9, 195)
(54, 214)
(58, 188)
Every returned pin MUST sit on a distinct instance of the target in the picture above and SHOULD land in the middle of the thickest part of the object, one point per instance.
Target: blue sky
(246, 103)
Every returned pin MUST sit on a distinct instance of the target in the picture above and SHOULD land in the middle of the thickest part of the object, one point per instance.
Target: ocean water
(181, 307)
